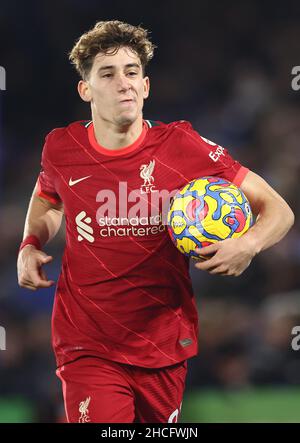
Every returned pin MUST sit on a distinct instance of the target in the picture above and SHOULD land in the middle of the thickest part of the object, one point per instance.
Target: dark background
(226, 67)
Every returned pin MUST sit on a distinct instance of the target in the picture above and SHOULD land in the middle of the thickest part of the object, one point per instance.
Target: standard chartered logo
(134, 213)
(135, 226)
(83, 228)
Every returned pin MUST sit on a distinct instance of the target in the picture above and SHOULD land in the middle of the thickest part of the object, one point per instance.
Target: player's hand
(30, 272)
(230, 257)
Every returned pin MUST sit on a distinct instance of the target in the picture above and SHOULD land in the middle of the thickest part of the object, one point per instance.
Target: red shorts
(103, 391)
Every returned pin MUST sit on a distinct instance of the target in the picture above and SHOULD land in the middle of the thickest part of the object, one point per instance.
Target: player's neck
(114, 137)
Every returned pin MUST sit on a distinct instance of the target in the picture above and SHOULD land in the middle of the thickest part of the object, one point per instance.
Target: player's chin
(126, 118)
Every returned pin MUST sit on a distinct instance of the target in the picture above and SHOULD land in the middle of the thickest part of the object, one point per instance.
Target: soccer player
(124, 318)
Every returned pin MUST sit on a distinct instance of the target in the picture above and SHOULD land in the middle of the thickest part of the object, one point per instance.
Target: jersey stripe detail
(103, 265)
(113, 318)
(172, 169)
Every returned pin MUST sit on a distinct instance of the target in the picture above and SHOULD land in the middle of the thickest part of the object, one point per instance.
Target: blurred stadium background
(226, 67)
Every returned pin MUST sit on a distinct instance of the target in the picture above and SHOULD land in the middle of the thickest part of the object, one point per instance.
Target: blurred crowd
(226, 67)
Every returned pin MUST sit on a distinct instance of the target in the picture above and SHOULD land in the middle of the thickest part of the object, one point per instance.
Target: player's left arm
(274, 220)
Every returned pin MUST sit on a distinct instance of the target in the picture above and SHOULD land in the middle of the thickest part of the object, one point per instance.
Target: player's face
(116, 87)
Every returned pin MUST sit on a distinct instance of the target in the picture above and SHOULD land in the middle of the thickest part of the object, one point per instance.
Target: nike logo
(73, 182)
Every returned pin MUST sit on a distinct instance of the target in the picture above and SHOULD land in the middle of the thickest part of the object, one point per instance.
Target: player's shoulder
(171, 126)
(57, 134)
(161, 131)
(61, 139)
(181, 125)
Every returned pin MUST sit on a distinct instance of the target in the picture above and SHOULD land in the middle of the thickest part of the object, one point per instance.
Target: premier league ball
(205, 211)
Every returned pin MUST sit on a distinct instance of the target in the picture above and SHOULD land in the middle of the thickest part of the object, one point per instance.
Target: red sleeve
(210, 158)
(46, 179)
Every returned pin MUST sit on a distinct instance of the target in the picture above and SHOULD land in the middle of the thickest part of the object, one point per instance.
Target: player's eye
(132, 73)
(107, 75)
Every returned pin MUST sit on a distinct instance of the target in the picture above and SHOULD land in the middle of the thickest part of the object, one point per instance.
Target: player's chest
(145, 178)
(116, 198)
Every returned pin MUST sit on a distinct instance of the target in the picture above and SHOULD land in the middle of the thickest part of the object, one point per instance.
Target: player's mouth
(127, 101)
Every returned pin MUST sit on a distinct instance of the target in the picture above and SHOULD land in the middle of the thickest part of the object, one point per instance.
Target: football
(205, 211)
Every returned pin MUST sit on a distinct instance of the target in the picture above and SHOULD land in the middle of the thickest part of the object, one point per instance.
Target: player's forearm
(274, 220)
(42, 220)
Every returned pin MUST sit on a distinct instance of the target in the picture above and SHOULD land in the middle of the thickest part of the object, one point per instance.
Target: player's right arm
(43, 220)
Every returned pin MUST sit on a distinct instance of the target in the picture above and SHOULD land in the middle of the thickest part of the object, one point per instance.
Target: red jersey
(124, 292)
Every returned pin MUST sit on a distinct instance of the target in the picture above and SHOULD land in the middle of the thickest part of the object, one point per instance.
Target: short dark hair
(107, 37)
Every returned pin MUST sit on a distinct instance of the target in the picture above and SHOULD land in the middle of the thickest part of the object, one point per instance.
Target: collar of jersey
(116, 152)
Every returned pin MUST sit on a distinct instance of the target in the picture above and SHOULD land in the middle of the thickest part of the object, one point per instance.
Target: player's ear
(83, 89)
(146, 87)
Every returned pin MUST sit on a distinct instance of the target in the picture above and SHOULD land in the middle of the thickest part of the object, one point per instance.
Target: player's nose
(123, 83)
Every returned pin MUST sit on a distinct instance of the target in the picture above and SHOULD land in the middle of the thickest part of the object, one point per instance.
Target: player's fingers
(208, 250)
(46, 259)
(43, 274)
(44, 277)
(37, 280)
(45, 284)
(26, 284)
(40, 285)
(33, 276)
(207, 265)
